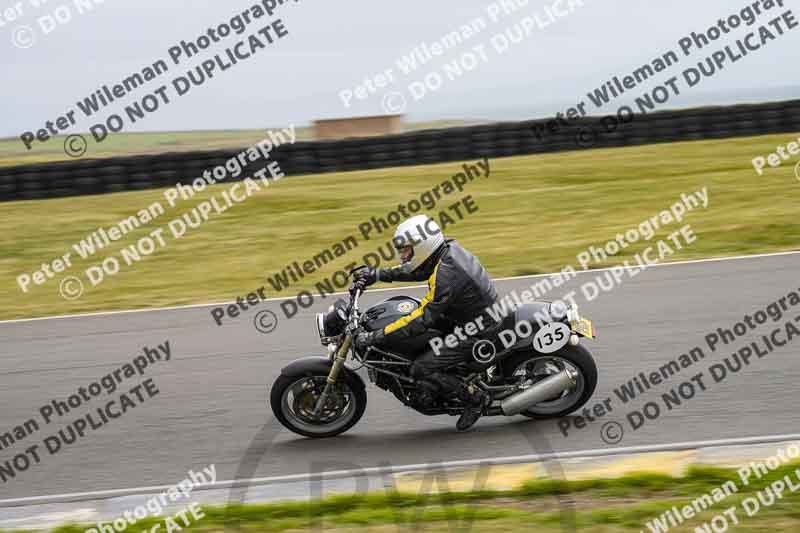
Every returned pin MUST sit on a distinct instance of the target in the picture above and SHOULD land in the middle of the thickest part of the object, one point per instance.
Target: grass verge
(595, 506)
(535, 213)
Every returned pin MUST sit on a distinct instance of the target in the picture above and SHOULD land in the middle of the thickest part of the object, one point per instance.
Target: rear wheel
(293, 399)
(534, 367)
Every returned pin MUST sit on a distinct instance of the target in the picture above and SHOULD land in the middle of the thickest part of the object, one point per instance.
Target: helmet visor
(406, 254)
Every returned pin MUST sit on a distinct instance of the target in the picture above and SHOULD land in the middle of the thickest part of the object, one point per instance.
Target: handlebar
(356, 290)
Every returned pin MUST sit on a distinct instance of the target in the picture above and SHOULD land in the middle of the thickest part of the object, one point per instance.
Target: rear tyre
(293, 399)
(535, 367)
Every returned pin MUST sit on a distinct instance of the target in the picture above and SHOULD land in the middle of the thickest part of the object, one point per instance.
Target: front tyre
(534, 367)
(293, 399)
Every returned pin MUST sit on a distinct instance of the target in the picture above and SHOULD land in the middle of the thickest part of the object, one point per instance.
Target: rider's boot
(476, 401)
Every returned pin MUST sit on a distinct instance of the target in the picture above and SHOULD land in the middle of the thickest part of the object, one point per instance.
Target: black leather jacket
(459, 290)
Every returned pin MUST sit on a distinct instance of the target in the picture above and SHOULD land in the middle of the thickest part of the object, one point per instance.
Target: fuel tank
(384, 313)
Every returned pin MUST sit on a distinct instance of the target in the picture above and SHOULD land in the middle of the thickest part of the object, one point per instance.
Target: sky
(334, 46)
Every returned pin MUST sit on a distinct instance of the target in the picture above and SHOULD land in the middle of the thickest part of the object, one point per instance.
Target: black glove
(366, 276)
(365, 339)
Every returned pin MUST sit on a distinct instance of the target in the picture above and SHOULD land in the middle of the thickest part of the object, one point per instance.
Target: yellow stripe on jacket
(402, 322)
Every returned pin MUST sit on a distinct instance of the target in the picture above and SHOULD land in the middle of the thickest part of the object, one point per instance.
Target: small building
(342, 128)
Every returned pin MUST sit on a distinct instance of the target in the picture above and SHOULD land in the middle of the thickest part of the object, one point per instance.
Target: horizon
(241, 91)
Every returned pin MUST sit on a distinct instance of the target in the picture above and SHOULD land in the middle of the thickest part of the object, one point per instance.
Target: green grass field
(535, 213)
(623, 504)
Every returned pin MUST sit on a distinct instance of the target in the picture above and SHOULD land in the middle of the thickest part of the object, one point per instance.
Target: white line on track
(376, 471)
(194, 306)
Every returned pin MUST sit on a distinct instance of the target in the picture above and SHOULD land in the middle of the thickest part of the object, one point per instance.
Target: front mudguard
(320, 366)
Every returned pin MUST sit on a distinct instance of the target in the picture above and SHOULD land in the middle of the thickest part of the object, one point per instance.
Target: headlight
(321, 325)
(331, 325)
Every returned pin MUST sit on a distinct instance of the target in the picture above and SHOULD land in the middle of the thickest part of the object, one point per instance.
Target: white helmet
(417, 239)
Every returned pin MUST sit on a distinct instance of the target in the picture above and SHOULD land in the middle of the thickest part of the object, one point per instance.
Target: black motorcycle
(539, 372)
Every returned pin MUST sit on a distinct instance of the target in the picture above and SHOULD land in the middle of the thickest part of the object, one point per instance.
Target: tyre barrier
(505, 139)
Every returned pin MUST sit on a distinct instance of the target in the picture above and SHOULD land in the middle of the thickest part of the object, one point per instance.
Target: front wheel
(534, 367)
(293, 399)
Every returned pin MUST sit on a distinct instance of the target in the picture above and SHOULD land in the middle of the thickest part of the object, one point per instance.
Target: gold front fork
(339, 359)
(333, 375)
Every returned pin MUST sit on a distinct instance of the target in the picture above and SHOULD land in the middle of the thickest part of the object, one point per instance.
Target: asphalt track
(212, 408)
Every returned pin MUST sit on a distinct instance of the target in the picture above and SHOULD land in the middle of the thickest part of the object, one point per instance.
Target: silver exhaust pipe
(541, 391)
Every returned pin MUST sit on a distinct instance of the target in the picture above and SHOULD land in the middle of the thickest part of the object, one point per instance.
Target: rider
(459, 291)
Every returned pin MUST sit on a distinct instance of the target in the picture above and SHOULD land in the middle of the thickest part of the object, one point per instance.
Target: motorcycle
(544, 374)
